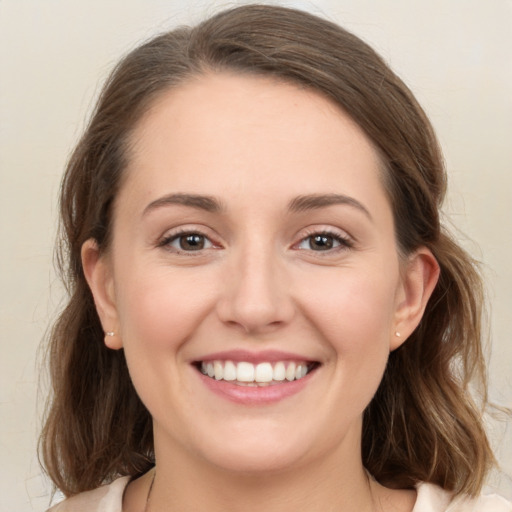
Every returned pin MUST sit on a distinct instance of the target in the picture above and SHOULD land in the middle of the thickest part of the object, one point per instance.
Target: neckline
(427, 495)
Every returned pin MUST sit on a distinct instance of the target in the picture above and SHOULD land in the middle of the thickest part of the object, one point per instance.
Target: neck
(332, 482)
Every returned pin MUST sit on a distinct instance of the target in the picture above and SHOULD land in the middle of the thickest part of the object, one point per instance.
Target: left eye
(189, 242)
(322, 242)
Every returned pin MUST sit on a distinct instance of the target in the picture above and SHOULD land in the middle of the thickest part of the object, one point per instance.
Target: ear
(420, 274)
(98, 273)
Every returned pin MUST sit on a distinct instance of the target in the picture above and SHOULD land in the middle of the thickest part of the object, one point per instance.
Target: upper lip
(238, 355)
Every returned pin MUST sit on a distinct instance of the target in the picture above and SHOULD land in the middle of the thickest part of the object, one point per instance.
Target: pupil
(192, 242)
(321, 242)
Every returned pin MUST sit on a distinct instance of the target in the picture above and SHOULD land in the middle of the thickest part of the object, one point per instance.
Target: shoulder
(107, 498)
(432, 498)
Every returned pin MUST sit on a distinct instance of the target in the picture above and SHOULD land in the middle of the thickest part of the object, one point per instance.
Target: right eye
(187, 242)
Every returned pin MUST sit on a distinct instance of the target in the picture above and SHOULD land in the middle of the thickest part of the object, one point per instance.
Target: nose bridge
(256, 295)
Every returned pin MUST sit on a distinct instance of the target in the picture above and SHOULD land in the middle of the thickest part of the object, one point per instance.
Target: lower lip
(255, 395)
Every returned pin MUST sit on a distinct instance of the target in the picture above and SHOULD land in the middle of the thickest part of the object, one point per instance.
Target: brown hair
(422, 424)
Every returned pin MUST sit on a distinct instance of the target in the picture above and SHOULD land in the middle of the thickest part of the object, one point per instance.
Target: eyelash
(344, 242)
(167, 241)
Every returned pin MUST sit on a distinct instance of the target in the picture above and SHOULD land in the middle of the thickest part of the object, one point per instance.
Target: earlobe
(419, 278)
(99, 277)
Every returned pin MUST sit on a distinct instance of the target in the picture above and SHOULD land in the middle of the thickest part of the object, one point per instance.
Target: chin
(260, 450)
(259, 462)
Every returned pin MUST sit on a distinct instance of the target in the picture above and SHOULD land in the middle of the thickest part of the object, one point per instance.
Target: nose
(255, 296)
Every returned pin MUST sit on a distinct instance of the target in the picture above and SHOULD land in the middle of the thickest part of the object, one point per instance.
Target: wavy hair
(422, 424)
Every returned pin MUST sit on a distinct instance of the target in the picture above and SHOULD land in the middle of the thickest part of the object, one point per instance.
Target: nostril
(255, 299)
(254, 319)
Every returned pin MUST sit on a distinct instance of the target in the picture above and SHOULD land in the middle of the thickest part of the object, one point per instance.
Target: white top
(109, 498)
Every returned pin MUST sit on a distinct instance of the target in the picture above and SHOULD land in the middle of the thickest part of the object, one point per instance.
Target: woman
(265, 311)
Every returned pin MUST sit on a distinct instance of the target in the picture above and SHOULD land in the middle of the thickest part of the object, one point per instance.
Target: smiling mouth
(243, 373)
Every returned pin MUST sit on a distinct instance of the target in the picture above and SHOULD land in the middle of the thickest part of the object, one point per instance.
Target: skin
(255, 145)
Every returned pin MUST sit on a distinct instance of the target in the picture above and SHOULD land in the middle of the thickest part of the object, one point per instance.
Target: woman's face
(253, 240)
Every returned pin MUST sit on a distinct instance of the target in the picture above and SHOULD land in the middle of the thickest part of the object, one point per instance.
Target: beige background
(456, 55)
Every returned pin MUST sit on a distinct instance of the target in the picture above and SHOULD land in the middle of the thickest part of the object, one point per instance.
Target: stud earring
(397, 334)
(110, 333)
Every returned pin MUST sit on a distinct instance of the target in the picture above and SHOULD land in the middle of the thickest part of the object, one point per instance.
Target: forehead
(252, 135)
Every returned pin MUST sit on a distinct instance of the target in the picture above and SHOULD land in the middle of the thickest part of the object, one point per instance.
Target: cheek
(161, 308)
(159, 311)
(354, 312)
(353, 306)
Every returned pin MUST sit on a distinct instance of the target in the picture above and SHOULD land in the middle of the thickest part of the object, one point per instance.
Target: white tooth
(245, 372)
(203, 368)
(218, 369)
(210, 370)
(229, 371)
(298, 371)
(263, 372)
(290, 372)
(279, 371)
(304, 371)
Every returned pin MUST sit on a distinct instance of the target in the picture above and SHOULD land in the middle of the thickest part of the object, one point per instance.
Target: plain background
(456, 55)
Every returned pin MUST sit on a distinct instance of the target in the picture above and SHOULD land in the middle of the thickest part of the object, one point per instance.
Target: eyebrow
(317, 201)
(207, 203)
(299, 204)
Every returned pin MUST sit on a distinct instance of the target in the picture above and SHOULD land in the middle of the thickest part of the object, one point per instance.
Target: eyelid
(175, 233)
(346, 241)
